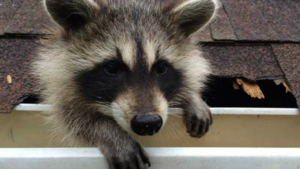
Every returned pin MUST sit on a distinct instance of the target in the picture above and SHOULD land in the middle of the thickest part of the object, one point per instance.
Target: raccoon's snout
(146, 124)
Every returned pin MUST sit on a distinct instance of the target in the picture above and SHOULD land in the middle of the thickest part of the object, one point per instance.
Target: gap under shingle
(221, 93)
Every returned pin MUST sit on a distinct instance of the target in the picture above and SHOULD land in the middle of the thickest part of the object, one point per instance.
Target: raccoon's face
(131, 59)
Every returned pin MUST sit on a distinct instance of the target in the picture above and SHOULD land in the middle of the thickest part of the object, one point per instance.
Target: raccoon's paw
(198, 120)
(134, 157)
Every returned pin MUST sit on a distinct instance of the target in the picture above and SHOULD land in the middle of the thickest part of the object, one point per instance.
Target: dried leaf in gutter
(284, 83)
(252, 89)
(9, 79)
(235, 85)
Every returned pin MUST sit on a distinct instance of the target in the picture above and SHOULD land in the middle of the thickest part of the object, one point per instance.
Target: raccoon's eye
(111, 69)
(161, 68)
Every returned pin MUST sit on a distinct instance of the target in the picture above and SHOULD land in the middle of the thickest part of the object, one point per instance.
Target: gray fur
(105, 25)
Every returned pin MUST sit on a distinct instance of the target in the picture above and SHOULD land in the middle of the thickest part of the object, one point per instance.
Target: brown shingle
(288, 56)
(30, 19)
(264, 19)
(203, 35)
(221, 28)
(8, 9)
(243, 60)
(15, 81)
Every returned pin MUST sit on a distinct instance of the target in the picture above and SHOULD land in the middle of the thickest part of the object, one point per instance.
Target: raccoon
(113, 68)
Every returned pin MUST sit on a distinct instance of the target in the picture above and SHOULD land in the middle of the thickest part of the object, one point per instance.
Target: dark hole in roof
(32, 99)
(220, 93)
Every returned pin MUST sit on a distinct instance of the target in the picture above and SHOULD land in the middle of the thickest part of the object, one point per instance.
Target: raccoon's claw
(196, 126)
(198, 120)
(138, 159)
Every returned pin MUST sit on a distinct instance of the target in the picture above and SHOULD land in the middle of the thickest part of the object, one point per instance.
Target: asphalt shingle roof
(252, 39)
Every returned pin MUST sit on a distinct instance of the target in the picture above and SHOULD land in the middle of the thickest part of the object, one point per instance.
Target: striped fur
(140, 35)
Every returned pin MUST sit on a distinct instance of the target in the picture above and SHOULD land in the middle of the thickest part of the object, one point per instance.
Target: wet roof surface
(256, 40)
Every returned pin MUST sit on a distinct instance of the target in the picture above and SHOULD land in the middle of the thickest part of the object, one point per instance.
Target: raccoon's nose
(146, 124)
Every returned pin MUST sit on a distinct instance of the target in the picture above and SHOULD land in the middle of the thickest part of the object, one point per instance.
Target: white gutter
(216, 111)
(161, 158)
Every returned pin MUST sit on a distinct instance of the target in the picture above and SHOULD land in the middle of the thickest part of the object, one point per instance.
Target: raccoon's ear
(191, 15)
(71, 14)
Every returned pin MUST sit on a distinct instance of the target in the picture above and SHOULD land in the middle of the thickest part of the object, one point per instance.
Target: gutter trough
(161, 158)
(265, 150)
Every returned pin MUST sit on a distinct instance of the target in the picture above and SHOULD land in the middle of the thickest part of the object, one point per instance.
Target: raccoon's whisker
(102, 84)
(172, 94)
(102, 103)
(98, 97)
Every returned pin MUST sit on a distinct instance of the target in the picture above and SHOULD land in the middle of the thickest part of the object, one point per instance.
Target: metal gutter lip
(216, 111)
(154, 152)
(161, 158)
